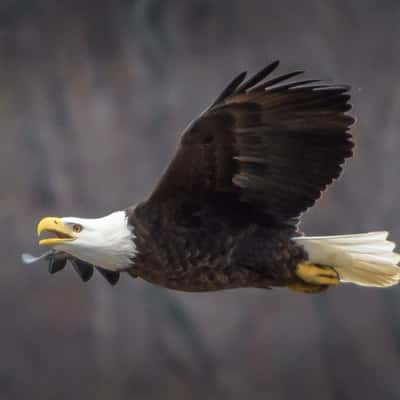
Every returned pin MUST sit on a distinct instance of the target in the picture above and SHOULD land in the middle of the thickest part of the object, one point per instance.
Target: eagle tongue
(82, 268)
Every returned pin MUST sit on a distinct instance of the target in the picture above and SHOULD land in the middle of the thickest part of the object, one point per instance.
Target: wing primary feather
(276, 80)
(230, 89)
(258, 77)
(298, 84)
(333, 89)
(273, 143)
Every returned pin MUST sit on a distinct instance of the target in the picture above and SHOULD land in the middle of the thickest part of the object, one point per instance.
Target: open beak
(62, 232)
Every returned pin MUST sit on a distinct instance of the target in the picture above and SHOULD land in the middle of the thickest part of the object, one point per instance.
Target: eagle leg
(308, 288)
(317, 274)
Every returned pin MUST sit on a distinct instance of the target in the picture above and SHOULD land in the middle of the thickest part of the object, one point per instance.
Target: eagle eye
(77, 228)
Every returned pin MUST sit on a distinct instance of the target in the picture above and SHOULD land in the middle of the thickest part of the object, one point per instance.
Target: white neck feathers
(107, 242)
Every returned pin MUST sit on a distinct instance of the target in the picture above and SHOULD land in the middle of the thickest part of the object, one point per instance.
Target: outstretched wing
(272, 144)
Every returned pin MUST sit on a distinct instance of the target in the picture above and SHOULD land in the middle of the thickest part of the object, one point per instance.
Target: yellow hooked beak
(55, 225)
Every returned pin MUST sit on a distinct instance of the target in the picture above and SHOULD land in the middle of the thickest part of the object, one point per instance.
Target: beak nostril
(56, 222)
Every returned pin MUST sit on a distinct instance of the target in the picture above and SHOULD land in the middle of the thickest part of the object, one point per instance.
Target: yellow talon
(306, 287)
(317, 274)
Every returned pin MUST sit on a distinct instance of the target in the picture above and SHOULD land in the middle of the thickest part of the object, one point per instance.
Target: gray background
(93, 95)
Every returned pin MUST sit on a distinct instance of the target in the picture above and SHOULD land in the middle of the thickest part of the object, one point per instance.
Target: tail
(366, 259)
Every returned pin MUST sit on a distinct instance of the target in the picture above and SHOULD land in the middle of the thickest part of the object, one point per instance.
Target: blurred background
(93, 96)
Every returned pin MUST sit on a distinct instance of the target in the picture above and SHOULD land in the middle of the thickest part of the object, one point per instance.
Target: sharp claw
(317, 274)
(307, 287)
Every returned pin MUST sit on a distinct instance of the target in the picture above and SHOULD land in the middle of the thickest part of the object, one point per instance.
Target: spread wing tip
(256, 83)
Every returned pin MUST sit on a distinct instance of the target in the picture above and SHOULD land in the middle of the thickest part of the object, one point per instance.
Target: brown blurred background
(93, 96)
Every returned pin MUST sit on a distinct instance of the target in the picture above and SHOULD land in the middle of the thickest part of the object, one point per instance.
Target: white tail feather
(367, 259)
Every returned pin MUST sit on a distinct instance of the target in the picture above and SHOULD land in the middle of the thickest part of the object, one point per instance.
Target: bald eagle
(225, 212)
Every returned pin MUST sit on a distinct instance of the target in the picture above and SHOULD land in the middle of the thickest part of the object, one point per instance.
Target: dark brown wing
(274, 145)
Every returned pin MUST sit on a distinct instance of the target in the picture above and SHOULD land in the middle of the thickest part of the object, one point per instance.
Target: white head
(107, 242)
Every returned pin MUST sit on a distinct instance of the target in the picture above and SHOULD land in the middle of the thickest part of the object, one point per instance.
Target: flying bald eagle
(225, 212)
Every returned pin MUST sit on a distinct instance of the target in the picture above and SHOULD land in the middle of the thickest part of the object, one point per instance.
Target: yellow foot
(317, 274)
(303, 287)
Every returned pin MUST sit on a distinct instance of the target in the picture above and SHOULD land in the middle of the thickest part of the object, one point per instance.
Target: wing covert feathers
(275, 144)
